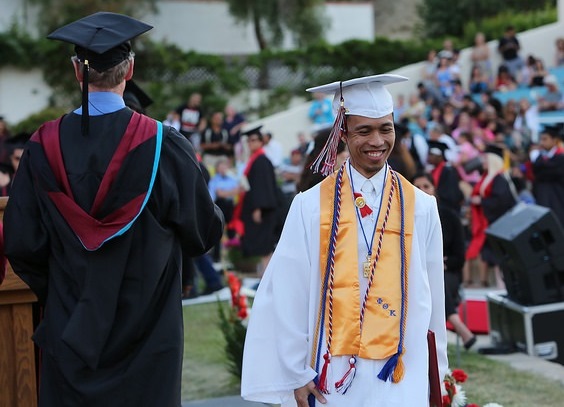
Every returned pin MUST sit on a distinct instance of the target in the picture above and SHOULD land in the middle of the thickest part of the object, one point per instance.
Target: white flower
(459, 399)
(492, 405)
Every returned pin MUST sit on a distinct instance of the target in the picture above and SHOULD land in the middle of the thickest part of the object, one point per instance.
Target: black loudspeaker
(529, 242)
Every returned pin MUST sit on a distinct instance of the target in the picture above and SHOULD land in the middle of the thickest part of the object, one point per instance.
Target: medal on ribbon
(361, 204)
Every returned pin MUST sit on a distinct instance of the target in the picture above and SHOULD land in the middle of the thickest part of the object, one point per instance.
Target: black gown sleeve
(26, 239)
(183, 192)
(500, 200)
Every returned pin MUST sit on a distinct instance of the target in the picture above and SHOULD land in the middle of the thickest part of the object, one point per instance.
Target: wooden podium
(18, 386)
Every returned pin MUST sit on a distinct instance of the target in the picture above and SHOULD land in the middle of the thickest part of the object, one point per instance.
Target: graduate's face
(370, 142)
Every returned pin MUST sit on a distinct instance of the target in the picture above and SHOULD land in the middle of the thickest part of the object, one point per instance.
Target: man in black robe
(106, 204)
(258, 210)
(548, 170)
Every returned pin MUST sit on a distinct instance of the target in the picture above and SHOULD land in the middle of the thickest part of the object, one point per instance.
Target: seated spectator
(233, 122)
(539, 74)
(320, 111)
(527, 71)
(223, 188)
(449, 117)
(429, 71)
(526, 124)
(290, 174)
(480, 57)
(552, 99)
(273, 150)
(444, 76)
(400, 158)
(172, 120)
(456, 99)
(479, 81)
(504, 81)
(469, 161)
(214, 143)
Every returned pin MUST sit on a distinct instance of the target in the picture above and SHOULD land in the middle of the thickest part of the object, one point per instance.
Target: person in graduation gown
(356, 281)
(548, 172)
(491, 198)
(106, 204)
(453, 253)
(445, 176)
(256, 216)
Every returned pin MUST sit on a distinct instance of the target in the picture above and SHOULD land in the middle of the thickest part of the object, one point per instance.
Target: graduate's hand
(301, 395)
(257, 216)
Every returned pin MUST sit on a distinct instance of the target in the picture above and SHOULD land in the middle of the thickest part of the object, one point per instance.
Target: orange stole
(381, 329)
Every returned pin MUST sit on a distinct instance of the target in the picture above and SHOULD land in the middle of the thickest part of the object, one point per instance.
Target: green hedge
(166, 71)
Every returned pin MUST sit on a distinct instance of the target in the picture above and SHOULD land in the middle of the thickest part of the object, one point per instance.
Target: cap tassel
(328, 156)
(322, 385)
(85, 114)
(345, 383)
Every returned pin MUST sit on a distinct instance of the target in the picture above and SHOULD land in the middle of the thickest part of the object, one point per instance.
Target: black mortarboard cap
(494, 149)
(102, 41)
(135, 98)
(437, 148)
(554, 131)
(18, 141)
(101, 38)
(253, 130)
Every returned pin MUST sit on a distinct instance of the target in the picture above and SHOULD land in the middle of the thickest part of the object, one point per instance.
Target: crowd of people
(485, 154)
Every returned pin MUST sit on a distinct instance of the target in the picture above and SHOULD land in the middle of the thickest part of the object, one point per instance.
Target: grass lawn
(493, 381)
(205, 373)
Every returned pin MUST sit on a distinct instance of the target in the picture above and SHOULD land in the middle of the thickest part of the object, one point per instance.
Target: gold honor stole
(379, 336)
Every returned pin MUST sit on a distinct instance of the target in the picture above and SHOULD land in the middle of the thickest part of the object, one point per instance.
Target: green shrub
(494, 27)
(32, 123)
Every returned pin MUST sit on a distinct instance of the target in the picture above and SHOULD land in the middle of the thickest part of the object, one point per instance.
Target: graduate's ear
(129, 73)
(77, 70)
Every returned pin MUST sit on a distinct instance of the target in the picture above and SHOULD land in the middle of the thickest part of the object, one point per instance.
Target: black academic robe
(454, 254)
(260, 238)
(448, 189)
(97, 226)
(548, 184)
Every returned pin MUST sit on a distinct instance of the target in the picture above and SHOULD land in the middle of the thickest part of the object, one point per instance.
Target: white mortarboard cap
(366, 96)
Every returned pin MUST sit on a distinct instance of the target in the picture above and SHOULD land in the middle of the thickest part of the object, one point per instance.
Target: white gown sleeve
(276, 346)
(435, 269)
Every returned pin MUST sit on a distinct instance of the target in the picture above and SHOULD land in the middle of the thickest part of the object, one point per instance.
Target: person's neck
(118, 90)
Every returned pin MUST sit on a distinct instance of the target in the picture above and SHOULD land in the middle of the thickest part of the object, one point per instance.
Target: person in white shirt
(342, 313)
(273, 150)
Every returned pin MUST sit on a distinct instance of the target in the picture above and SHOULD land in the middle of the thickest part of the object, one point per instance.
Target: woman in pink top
(467, 155)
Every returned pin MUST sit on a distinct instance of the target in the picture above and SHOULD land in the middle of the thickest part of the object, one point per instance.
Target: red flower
(446, 401)
(238, 300)
(459, 375)
(472, 405)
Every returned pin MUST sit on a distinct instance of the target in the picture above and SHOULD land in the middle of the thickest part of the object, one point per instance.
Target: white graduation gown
(280, 334)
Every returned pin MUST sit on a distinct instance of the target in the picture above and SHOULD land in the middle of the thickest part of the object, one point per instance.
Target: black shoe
(470, 342)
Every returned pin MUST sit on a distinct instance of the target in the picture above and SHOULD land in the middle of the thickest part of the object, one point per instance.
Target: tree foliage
(448, 18)
(56, 13)
(304, 19)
